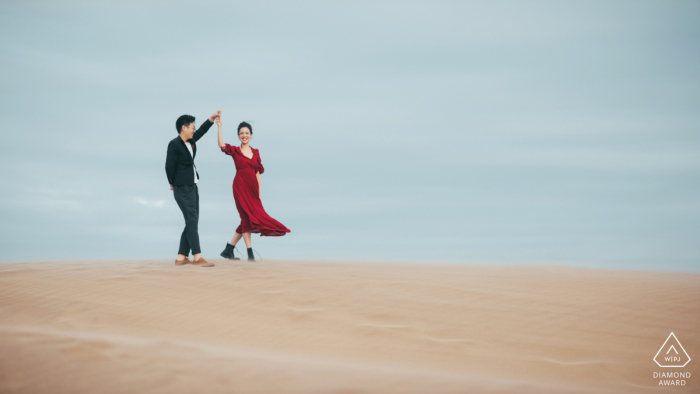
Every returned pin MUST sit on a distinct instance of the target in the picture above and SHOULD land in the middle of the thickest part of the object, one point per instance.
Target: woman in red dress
(246, 192)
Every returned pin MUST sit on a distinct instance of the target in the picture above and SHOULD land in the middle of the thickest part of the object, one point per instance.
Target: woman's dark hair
(245, 124)
(184, 120)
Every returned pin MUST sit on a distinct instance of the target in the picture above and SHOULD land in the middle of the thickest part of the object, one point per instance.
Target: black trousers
(187, 198)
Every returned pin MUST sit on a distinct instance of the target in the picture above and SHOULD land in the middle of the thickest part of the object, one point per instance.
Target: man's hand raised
(216, 115)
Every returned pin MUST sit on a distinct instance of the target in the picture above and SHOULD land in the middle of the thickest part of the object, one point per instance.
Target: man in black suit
(183, 178)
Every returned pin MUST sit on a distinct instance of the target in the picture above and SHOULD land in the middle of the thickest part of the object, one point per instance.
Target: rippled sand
(322, 327)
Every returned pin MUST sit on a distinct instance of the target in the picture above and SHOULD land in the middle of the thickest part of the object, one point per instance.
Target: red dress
(246, 192)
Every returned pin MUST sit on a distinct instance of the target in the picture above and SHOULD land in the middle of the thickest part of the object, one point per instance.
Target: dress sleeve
(228, 149)
(258, 163)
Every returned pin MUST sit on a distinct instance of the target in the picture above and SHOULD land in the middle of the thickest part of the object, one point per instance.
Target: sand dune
(327, 327)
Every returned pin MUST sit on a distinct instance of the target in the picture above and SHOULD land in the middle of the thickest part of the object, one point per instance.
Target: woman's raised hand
(220, 140)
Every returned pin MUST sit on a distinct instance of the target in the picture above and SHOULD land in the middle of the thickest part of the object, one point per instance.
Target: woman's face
(244, 135)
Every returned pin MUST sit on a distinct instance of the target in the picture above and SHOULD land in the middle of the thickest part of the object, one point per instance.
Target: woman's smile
(244, 135)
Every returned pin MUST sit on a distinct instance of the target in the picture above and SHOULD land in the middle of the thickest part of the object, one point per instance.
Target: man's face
(188, 131)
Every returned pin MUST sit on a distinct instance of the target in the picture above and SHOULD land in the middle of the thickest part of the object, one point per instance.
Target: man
(183, 177)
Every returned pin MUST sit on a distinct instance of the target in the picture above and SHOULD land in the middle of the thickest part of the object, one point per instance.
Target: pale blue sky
(490, 132)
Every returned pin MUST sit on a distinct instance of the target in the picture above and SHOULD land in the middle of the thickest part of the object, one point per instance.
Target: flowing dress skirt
(246, 192)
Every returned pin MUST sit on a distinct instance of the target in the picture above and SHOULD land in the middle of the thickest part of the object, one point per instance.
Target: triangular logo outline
(662, 348)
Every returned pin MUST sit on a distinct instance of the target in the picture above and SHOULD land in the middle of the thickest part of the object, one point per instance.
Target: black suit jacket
(179, 165)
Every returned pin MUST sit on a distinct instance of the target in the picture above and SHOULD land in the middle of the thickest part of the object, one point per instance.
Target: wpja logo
(672, 355)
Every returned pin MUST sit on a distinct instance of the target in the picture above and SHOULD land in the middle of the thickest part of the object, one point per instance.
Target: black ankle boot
(250, 255)
(228, 253)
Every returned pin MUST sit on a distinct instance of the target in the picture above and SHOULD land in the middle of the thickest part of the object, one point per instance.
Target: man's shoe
(183, 261)
(202, 263)
(228, 253)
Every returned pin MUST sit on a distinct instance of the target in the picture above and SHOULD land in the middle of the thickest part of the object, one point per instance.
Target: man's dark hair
(245, 124)
(183, 120)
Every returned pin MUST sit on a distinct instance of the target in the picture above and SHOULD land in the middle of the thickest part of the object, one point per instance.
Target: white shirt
(189, 148)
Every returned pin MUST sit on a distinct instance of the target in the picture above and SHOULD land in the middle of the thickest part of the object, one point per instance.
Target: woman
(246, 192)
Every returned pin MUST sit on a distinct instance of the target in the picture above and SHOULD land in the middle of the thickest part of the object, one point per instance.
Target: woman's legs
(237, 237)
(243, 229)
(246, 238)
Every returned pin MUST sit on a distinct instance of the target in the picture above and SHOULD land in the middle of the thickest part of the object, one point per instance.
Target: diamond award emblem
(671, 354)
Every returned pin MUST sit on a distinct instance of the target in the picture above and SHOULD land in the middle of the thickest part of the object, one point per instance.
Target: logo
(671, 354)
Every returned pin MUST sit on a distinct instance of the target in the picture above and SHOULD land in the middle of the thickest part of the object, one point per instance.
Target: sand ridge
(283, 326)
